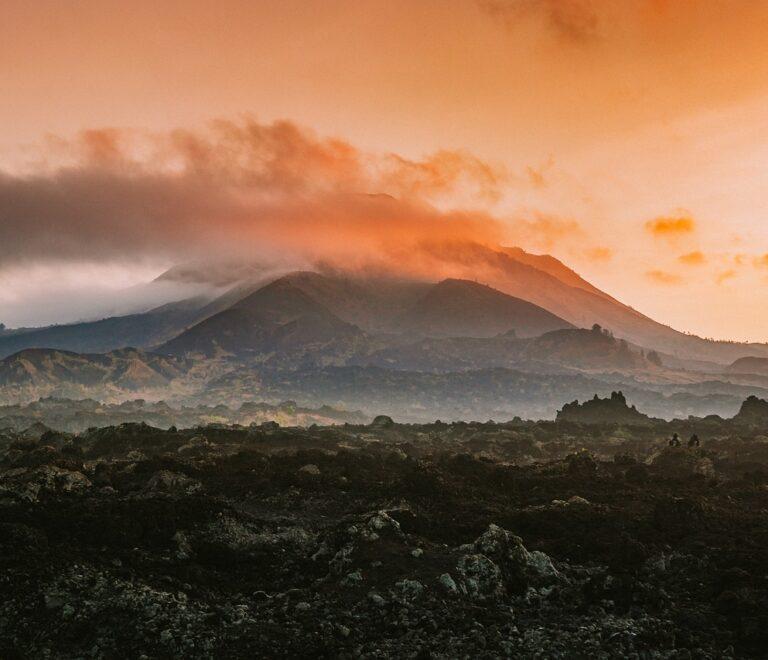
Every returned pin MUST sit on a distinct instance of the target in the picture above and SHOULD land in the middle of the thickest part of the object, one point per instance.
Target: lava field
(382, 541)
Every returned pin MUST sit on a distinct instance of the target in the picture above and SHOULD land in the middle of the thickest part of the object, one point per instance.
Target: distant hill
(127, 369)
(595, 348)
(461, 308)
(613, 410)
(749, 365)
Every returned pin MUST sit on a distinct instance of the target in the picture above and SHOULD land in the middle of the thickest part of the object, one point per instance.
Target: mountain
(376, 304)
(532, 294)
(128, 369)
(460, 308)
(279, 317)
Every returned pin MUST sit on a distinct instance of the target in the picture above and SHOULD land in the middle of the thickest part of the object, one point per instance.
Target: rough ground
(438, 541)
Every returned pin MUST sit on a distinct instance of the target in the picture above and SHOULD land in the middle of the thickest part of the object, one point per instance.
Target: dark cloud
(238, 188)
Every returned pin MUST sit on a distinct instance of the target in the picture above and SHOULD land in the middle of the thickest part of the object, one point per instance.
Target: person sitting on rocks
(694, 441)
(675, 441)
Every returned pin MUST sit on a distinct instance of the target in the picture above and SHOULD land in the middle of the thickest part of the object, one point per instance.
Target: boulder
(518, 567)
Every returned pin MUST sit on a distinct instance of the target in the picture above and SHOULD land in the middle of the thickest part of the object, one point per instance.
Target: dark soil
(438, 541)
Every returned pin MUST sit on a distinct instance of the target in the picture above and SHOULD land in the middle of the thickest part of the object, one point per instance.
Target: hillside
(554, 288)
(128, 369)
(585, 349)
(279, 317)
(532, 294)
(460, 308)
(749, 365)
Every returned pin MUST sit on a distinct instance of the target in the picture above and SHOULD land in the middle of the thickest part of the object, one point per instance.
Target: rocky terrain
(471, 540)
(81, 414)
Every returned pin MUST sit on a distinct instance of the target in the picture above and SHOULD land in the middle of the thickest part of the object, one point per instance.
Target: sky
(625, 137)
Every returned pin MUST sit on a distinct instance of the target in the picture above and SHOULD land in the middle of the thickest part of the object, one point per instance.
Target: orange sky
(623, 135)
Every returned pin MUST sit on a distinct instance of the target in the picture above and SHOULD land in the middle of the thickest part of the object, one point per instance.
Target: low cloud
(725, 275)
(239, 189)
(695, 258)
(599, 254)
(671, 226)
(543, 231)
(664, 277)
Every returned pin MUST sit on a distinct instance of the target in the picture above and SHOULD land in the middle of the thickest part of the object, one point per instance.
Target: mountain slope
(460, 308)
(278, 317)
(141, 330)
(554, 267)
(584, 349)
(749, 365)
(583, 307)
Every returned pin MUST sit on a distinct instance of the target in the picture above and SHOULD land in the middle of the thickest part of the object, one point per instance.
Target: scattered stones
(165, 481)
(219, 542)
(448, 583)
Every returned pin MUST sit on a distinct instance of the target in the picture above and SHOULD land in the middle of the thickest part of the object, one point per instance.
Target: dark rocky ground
(434, 541)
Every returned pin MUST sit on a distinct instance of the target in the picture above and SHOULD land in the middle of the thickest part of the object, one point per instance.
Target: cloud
(761, 261)
(538, 176)
(543, 231)
(663, 277)
(695, 258)
(725, 275)
(570, 20)
(237, 189)
(671, 226)
(599, 253)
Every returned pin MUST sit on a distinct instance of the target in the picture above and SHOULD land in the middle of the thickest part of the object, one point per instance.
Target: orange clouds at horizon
(671, 226)
(664, 277)
(695, 258)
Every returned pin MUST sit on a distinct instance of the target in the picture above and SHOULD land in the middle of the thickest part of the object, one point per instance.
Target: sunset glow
(625, 138)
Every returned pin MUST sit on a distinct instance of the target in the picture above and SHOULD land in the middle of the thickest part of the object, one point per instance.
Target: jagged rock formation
(613, 410)
(753, 412)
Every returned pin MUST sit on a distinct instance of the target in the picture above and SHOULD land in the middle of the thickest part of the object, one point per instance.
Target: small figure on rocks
(694, 441)
(675, 441)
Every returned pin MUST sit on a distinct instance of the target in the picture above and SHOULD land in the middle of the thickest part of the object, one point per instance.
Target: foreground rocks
(373, 542)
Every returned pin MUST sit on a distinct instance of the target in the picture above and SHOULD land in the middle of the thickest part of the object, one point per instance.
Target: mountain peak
(463, 308)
